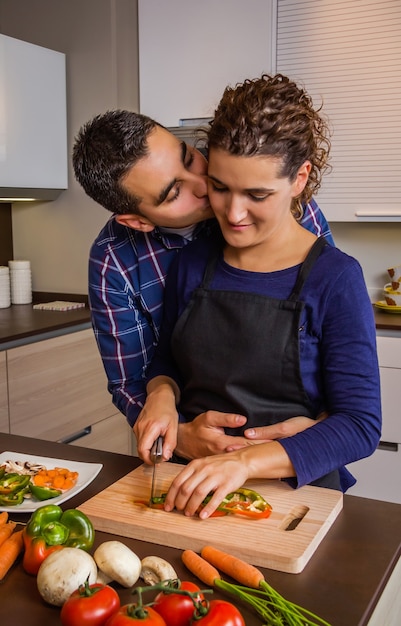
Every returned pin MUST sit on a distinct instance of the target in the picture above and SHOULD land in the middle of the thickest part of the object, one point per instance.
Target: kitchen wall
(100, 40)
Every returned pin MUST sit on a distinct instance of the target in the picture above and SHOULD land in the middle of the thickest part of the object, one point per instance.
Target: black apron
(239, 353)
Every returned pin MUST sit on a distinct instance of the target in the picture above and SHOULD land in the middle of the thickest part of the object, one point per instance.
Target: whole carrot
(200, 568)
(6, 531)
(9, 552)
(234, 567)
(253, 590)
(3, 518)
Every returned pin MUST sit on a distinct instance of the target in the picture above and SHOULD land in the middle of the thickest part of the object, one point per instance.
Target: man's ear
(136, 222)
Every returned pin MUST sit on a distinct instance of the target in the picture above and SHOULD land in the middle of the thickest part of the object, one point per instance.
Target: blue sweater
(339, 364)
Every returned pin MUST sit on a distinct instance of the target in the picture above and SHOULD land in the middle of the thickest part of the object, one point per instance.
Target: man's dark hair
(104, 151)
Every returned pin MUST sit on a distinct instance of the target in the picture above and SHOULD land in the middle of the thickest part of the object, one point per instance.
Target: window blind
(348, 57)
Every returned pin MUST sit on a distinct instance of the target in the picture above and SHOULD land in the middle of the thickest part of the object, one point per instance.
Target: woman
(267, 320)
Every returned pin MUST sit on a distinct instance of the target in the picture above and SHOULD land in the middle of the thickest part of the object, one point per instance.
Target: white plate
(86, 473)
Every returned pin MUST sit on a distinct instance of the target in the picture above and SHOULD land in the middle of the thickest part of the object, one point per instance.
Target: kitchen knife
(156, 454)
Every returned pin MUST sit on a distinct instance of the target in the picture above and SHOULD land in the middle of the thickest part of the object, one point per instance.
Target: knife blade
(156, 455)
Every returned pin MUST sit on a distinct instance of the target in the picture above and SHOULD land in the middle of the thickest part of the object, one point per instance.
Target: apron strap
(209, 271)
(303, 274)
(306, 267)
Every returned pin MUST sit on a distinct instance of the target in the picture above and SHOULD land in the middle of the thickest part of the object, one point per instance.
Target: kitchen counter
(387, 321)
(21, 323)
(343, 582)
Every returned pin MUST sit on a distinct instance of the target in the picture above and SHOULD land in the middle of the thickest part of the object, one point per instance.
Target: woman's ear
(136, 222)
(302, 178)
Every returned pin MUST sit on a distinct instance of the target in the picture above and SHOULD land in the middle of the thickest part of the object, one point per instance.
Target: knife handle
(156, 452)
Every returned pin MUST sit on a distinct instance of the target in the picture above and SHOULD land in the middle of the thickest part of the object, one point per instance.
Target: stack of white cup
(5, 294)
(21, 282)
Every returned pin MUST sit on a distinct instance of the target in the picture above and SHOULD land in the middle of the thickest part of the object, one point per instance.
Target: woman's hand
(220, 474)
(158, 417)
(223, 473)
(288, 428)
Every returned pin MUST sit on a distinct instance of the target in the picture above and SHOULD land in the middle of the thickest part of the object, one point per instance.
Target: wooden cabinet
(58, 392)
(4, 424)
(378, 475)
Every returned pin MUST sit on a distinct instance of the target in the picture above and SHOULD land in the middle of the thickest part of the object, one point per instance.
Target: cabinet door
(378, 475)
(189, 51)
(389, 353)
(57, 387)
(112, 434)
(349, 58)
(4, 425)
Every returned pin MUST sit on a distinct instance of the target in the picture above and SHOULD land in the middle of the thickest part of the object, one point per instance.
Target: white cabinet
(4, 425)
(189, 51)
(58, 392)
(33, 121)
(348, 56)
(378, 475)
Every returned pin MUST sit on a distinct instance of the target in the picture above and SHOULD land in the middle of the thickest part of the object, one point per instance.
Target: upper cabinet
(189, 51)
(33, 121)
(348, 56)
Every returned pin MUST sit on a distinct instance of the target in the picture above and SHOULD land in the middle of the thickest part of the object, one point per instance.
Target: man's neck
(186, 232)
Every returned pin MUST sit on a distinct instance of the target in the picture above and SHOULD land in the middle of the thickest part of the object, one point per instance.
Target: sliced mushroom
(156, 570)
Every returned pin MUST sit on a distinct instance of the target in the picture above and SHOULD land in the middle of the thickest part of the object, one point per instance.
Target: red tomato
(176, 609)
(90, 605)
(221, 613)
(123, 618)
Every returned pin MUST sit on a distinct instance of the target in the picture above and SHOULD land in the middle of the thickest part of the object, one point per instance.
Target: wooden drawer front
(4, 424)
(57, 386)
(378, 476)
(390, 384)
(389, 351)
(112, 434)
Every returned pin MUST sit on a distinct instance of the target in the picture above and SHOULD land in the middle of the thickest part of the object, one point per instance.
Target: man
(156, 187)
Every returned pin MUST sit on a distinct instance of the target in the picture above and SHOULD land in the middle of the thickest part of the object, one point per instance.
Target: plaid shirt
(127, 271)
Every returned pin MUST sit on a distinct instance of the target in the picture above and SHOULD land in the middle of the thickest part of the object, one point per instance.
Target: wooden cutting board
(280, 542)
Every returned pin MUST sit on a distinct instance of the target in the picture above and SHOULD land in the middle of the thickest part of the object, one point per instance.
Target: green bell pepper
(13, 488)
(12, 482)
(50, 529)
(44, 493)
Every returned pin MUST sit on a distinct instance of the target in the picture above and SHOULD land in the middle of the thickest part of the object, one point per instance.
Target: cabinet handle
(378, 213)
(74, 436)
(389, 446)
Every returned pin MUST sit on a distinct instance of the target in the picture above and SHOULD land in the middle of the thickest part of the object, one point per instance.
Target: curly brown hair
(272, 116)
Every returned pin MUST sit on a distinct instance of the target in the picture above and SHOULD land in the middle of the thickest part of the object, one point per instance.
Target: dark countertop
(341, 583)
(21, 322)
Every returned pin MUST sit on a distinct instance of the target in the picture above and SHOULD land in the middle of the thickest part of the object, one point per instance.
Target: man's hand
(158, 417)
(205, 435)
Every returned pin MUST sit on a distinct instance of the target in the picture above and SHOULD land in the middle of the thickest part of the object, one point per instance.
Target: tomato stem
(201, 607)
(85, 590)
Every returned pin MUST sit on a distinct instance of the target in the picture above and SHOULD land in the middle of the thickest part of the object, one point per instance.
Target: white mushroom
(118, 562)
(62, 572)
(156, 570)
